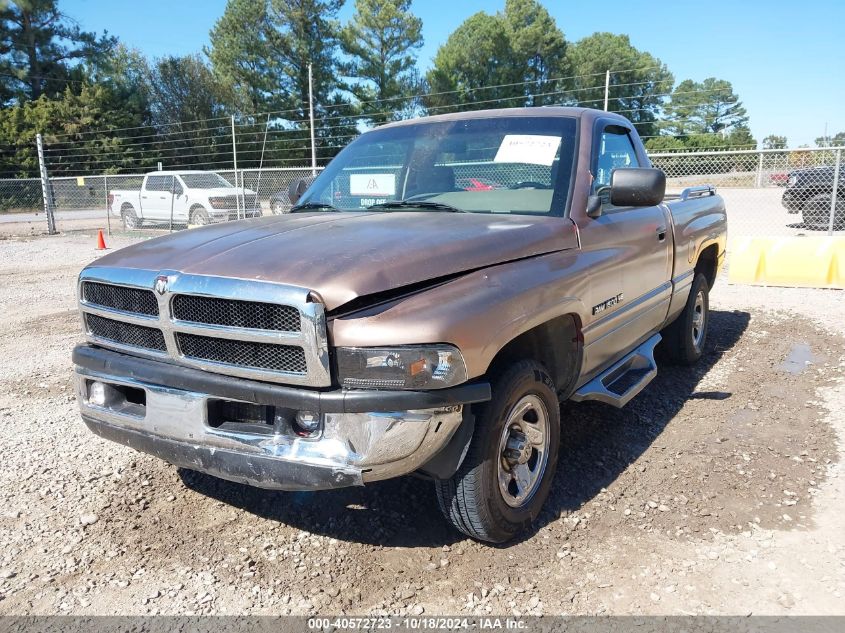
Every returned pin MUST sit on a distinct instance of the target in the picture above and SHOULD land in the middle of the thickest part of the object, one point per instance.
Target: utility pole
(606, 88)
(235, 159)
(46, 189)
(311, 116)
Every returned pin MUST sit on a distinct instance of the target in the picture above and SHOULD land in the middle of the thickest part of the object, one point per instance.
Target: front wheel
(198, 217)
(130, 218)
(684, 338)
(505, 477)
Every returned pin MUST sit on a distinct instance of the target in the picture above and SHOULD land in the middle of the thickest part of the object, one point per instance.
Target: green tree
(39, 46)
(638, 80)
(509, 59)
(85, 131)
(381, 41)
(538, 47)
(774, 141)
(710, 106)
(243, 59)
(664, 143)
(740, 137)
(837, 140)
(476, 64)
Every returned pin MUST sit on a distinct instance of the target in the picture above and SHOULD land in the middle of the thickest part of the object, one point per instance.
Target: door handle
(661, 233)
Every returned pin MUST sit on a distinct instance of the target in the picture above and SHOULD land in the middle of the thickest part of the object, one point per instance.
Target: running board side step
(624, 379)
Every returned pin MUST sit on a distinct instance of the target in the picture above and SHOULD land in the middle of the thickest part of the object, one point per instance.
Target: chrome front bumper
(352, 449)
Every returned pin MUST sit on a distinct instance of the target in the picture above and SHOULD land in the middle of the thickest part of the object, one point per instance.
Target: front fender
(480, 312)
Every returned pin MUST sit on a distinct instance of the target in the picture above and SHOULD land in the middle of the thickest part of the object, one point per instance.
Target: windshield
(516, 164)
(204, 181)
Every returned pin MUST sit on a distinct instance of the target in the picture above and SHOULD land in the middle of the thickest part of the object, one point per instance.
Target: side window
(160, 183)
(156, 183)
(615, 150)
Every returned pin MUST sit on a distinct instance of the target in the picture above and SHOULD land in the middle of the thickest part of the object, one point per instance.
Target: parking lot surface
(718, 490)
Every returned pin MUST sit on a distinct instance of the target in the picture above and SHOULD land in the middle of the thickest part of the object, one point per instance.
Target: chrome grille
(284, 358)
(126, 333)
(122, 298)
(235, 313)
(238, 327)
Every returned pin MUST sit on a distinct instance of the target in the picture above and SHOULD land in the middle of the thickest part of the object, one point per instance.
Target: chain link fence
(767, 192)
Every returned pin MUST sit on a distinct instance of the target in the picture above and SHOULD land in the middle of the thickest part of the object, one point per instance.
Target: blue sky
(786, 60)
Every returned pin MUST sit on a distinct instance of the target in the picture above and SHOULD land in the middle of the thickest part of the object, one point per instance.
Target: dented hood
(342, 256)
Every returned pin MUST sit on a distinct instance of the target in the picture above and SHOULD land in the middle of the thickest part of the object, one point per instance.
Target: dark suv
(808, 191)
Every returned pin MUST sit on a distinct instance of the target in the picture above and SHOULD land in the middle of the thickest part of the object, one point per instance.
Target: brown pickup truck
(431, 297)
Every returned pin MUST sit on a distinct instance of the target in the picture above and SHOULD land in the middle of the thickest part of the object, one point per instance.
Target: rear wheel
(198, 217)
(816, 213)
(130, 218)
(505, 478)
(685, 337)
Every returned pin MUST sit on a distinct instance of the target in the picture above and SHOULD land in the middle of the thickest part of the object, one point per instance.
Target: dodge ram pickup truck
(396, 322)
(183, 197)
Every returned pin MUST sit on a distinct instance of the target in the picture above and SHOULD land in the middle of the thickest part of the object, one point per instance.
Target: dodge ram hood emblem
(161, 284)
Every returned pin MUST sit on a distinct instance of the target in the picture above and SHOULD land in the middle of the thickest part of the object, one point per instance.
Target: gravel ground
(718, 490)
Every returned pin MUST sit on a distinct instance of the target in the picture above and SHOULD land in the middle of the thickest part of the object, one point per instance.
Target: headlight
(793, 180)
(220, 203)
(424, 367)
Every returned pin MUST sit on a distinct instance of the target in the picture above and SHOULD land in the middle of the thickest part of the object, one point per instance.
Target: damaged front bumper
(173, 412)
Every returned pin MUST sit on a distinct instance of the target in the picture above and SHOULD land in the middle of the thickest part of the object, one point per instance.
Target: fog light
(97, 394)
(307, 423)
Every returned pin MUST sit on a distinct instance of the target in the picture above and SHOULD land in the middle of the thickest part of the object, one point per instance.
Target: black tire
(198, 217)
(473, 500)
(685, 338)
(130, 218)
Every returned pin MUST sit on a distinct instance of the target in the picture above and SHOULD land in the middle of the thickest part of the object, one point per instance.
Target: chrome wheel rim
(129, 220)
(523, 451)
(698, 320)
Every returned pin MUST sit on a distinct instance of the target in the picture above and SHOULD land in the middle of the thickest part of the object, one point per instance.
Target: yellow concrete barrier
(803, 262)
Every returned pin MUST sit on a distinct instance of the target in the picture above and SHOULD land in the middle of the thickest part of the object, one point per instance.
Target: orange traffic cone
(101, 242)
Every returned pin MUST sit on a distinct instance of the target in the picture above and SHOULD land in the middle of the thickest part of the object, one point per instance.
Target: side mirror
(637, 187)
(296, 189)
(594, 206)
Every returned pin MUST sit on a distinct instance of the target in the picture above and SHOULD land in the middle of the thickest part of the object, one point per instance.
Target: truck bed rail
(699, 191)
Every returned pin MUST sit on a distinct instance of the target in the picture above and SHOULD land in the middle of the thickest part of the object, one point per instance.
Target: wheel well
(126, 206)
(706, 264)
(556, 344)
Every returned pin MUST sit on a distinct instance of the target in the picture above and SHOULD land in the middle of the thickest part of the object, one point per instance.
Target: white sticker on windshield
(372, 184)
(528, 148)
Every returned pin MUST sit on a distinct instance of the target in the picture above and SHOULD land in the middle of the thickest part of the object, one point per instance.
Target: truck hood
(342, 256)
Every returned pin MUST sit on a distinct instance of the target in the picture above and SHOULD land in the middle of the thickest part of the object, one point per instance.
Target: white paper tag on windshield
(372, 184)
(528, 148)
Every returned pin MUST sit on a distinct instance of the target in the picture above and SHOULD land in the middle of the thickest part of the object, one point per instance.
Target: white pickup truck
(183, 197)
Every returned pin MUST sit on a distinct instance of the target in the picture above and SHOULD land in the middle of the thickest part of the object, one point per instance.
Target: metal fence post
(760, 171)
(235, 161)
(835, 191)
(108, 210)
(311, 119)
(46, 190)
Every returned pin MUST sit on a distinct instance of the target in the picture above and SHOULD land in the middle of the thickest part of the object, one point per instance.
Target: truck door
(155, 197)
(630, 253)
(180, 201)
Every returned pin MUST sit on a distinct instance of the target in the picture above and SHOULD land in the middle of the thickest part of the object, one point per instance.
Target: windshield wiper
(313, 206)
(417, 204)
